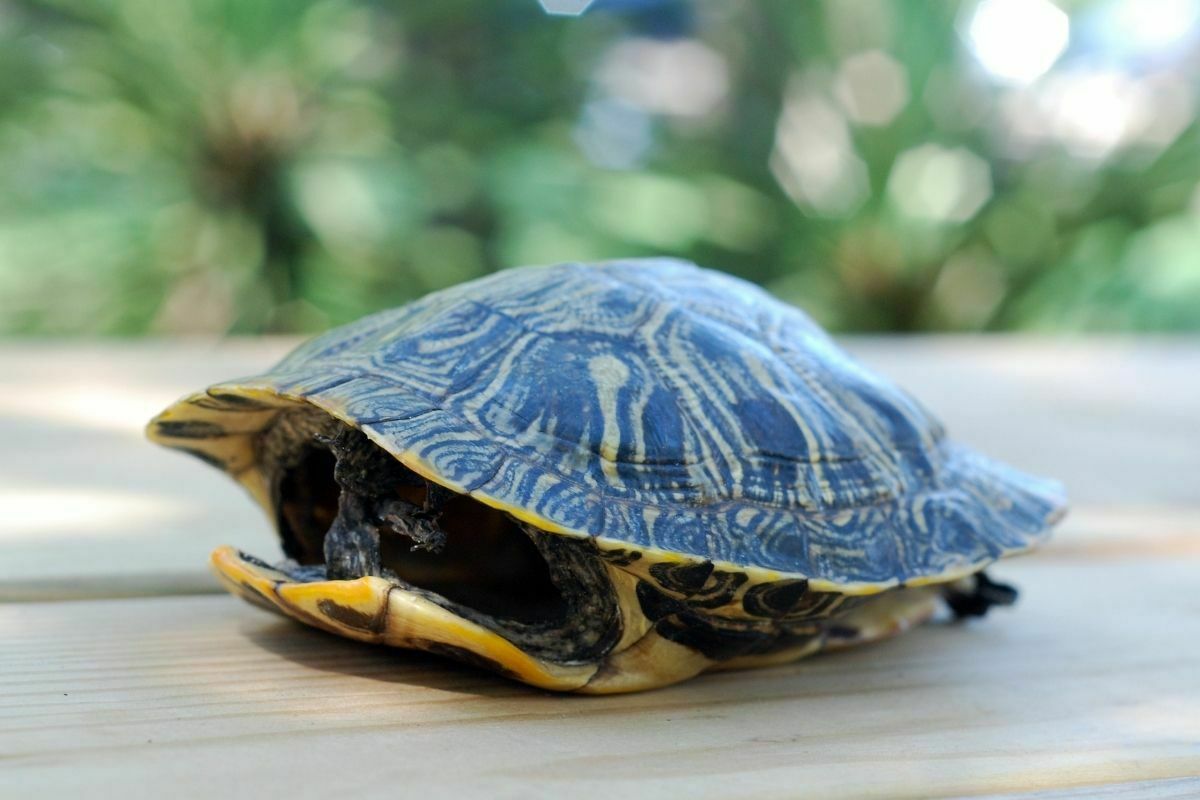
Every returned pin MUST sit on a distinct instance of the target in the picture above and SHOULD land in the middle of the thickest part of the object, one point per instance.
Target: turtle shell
(675, 410)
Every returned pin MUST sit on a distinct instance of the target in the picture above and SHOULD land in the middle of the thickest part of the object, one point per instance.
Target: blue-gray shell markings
(655, 403)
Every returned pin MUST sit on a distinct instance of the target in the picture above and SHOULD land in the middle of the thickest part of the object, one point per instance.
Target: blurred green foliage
(222, 165)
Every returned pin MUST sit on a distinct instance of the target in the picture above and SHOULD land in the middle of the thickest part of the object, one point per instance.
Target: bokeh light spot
(1018, 40)
(680, 77)
(565, 8)
(814, 159)
(1149, 28)
(968, 289)
(872, 87)
(1092, 111)
(337, 200)
(940, 184)
(1166, 258)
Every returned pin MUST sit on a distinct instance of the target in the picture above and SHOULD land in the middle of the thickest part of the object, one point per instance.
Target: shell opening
(345, 508)
(481, 559)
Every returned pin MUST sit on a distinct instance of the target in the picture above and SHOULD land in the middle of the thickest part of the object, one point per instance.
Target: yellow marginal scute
(353, 608)
(371, 609)
(652, 662)
(248, 582)
(416, 622)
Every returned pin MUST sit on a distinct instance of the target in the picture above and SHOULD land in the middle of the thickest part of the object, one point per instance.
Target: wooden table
(124, 671)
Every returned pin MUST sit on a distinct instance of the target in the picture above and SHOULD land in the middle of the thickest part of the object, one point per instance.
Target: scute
(672, 409)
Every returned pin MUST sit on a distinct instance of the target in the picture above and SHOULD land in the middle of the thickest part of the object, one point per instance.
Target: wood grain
(1091, 681)
(1090, 687)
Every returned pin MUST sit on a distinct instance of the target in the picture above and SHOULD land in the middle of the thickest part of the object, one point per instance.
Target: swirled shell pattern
(666, 406)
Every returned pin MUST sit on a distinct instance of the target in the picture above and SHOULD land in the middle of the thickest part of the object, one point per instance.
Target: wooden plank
(91, 507)
(1166, 789)
(108, 586)
(1089, 688)
(85, 496)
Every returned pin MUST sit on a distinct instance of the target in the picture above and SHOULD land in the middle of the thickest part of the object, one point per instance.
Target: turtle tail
(975, 596)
